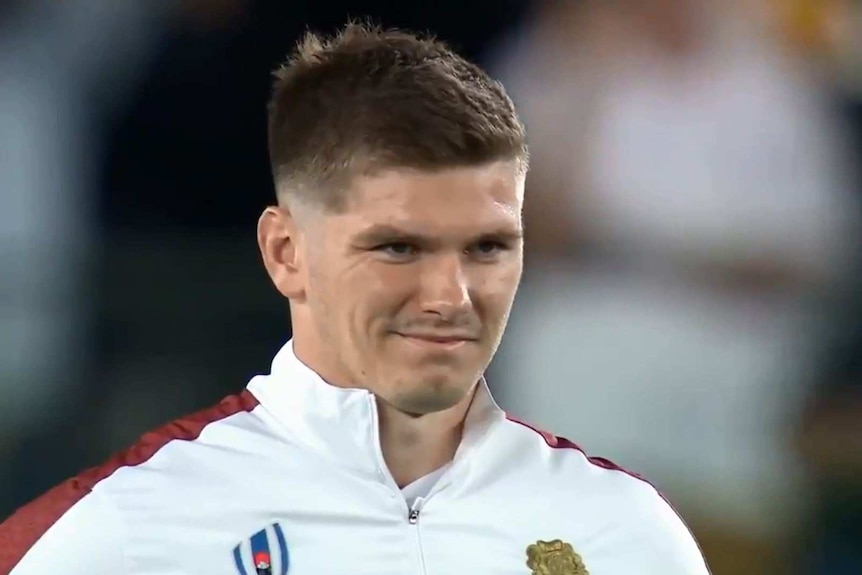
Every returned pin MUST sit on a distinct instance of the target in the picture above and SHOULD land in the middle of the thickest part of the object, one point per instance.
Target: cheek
(497, 287)
(392, 279)
(376, 294)
(319, 286)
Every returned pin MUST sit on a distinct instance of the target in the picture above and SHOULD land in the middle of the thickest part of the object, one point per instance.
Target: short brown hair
(368, 99)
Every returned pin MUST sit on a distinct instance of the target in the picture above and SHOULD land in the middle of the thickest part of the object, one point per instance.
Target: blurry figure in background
(691, 200)
(54, 57)
(66, 67)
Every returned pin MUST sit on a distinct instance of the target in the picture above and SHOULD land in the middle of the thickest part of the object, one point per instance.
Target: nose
(444, 287)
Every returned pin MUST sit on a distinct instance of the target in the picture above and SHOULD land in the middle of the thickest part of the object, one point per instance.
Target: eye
(486, 249)
(397, 250)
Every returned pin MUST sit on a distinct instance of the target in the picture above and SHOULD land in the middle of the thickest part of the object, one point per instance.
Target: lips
(437, 342)
(439, 338)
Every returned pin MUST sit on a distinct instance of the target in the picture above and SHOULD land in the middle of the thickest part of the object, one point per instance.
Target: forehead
(467, 197)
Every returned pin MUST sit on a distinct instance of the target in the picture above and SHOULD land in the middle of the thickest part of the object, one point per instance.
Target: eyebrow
(384, 233)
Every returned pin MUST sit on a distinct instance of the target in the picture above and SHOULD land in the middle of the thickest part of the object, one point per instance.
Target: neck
(414, 446)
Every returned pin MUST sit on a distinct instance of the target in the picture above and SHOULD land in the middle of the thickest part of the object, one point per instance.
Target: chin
(431, 394)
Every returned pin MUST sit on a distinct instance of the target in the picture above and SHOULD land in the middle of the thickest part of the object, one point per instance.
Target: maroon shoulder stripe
(24, 528)
(562, 443)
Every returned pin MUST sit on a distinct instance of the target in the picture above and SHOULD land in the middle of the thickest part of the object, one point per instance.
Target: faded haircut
(368, 99)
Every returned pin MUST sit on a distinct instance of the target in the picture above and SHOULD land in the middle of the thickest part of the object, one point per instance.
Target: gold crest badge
(554, 558)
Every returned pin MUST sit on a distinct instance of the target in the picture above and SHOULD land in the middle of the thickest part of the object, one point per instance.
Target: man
(373, 446)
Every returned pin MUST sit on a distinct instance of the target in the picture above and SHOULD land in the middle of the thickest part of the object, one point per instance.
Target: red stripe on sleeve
(26, 526)
(555, 442)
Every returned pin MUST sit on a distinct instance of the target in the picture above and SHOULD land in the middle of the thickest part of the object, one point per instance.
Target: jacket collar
(340, 424)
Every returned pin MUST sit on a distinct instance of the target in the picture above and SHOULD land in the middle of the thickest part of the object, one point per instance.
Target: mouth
(437, 341)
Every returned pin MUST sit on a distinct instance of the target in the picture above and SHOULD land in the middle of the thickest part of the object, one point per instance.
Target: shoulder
(565, 458)
(82, 517)
(641, 525)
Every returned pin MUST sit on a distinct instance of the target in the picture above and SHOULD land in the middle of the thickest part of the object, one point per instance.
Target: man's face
(408, 291)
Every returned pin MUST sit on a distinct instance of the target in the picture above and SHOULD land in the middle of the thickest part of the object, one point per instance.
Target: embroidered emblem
(264, 553)
(554, 558)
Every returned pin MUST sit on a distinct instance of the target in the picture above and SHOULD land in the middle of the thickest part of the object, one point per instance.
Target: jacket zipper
(414, 511)
(413, 520)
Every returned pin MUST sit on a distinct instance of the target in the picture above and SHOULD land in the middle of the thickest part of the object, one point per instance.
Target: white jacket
(289, 474)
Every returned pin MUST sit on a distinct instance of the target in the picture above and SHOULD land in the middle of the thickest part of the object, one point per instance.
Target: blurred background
(692, 307)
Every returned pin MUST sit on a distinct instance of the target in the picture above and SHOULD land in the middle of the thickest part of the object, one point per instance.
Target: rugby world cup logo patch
(264, 553)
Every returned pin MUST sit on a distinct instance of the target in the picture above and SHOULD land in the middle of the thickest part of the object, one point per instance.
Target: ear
(279, 241)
